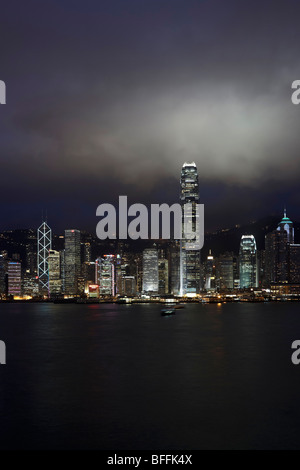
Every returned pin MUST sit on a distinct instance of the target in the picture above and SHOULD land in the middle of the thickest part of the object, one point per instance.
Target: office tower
(44, 245)
(163, 276)
(30, 285)
(277, 252)
(31, 253)
(189, 258)
(105, 275)
(174, 267)
(14, 278)
(54, 273)
(3, 267)
(225, 271)
(119, 275)
(150, 271)
(287, 226)
(294, 264)
(62, 270)
(210, 273)
(248, 262)
(129, 285)
(261, 258)
(72, 261)
(86, 252)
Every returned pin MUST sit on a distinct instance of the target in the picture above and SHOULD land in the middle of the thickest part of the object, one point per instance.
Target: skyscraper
(294, 264)
(72, 261)
(150, 270)
(248, 262)
(105, 275)
(163, 276)
(287, 225)
(54, 273)
(14, 278)
(44, 245)
(225, 271)
(189, 258)
(277, 259)
(210, 274)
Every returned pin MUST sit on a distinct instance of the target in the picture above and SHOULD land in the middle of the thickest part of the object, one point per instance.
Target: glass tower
(44, 242)
(150, 270)
(189, 258)
(54, 273)
(72, 262)
(248, 262)
(105, 275)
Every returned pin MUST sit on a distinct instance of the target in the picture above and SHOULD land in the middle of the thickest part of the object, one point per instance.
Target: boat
(167, 311)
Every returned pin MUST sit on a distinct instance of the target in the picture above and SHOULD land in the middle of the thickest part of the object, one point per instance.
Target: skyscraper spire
(284, 211)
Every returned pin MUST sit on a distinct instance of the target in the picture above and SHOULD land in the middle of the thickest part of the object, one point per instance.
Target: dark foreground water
(123, 377)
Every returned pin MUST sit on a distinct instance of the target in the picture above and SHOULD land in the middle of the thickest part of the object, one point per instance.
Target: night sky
(109, 98)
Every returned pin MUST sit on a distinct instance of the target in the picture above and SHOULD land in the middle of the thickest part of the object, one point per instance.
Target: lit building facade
(44, 245)
(163, 276)
(72, 264)
(189, 258)
(105, 275)
(54, 273)
(225, 271)
(150, 271)
(248, 262)
(14, 278)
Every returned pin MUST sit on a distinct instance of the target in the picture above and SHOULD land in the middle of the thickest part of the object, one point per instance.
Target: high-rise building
(163, 276)
(287, 225)
(105, 275)
(72, 263)
(30, 285)
(150, 271)
(277, 252)
(189, 258)
(248, 262)
(44, 245)
(210, 273)
(294, 264)
(129, 285)
(54, 273)
(225, 271)
(14, 278)
(174, 267)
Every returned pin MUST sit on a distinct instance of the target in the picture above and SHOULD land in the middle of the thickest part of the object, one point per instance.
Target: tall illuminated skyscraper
(210, 274)
(105, 275)
(279, 252)
(150, 271)
(189, 258)
(44, 245)
(54, 273)
(14, 278)
(72, 261)
(248, 262)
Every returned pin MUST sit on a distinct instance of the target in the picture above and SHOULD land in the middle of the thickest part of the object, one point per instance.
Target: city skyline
(166, 267)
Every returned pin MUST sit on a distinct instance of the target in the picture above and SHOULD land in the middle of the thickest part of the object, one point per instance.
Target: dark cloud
(111, 97)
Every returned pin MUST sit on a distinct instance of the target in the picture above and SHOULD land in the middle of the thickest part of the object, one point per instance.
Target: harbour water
(123, 377)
